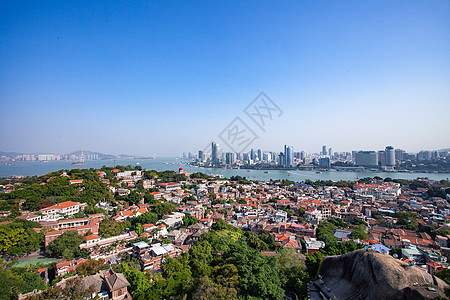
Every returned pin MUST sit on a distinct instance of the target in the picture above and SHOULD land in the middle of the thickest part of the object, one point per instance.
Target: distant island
(77, 156)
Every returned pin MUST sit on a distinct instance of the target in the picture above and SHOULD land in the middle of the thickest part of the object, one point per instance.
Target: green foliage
(407, 218)
(164, 208)
(325, 232)
(73, 289)
(415, 184)
(170, 176)
(189, 198)
(189, 220)
(132, 198)
(208, 289)
(224, 264)
(201, 255)
(359, 232)
(18, 238)
(221, 225)
(145, 218)
(149, 198)
(109, 228)
(240, 180)
(91, 267)
(200, 175)
(19, 280)
(90, 210)
(444, 274)
(365, 180)
(340, 183)
(359, 222)
(292, 270)
(138, 281)
(67, 246)
(57, 189)
(259, 274)
(437, 192)
(314, 260)
(261, 242)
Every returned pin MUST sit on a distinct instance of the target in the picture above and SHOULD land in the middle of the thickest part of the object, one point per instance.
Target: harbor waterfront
(161, 164)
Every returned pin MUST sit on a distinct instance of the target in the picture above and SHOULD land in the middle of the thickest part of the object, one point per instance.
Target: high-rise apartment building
(215, 153)
(390, 156)
(366, 158)
(201, 156)
(382, 158)
(230, 158)
(288, 156)
(324, 162)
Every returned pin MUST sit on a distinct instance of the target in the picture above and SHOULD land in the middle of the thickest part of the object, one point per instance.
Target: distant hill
(106, 156)
(78, 153)
(9, 154)
(371, 275)
(100, 155)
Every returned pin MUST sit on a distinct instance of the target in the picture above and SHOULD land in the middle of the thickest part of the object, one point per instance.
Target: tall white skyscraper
(215, 153)
(390, 156)
(288, 156)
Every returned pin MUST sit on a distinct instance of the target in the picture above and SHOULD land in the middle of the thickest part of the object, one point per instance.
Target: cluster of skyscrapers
(284, 159)
(384, 159)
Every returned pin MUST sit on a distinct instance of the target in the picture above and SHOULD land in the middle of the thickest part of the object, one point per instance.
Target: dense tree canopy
(67, 246)
(189, 220)
(109, 228)
(18, 238)
(18, 281)
(145, 218)
(225, 263)
(164, 208)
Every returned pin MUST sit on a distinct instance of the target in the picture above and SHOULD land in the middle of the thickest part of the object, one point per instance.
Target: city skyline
(221, 150)
(148, 78)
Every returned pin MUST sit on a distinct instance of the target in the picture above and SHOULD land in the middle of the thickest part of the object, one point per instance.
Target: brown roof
(115, 280)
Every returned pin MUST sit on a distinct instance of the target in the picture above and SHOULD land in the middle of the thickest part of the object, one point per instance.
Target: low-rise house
(152, 257)
(107, 285)
(130, 212)
(174, 220)
(95, 241)
(123, 192)
(67, 267)
(148, 183)
(60, 210)
(75, 181)
(177, 236)
(169, 186)
(30, 217)
(313, 245)
(4, 214)
(413, 254)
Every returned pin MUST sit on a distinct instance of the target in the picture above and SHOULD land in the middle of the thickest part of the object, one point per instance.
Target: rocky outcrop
(371, 275)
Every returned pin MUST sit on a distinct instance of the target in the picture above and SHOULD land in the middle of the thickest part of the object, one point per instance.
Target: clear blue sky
(144, 77)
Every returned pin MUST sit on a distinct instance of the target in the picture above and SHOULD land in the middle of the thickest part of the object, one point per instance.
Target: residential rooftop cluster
(156, 215)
